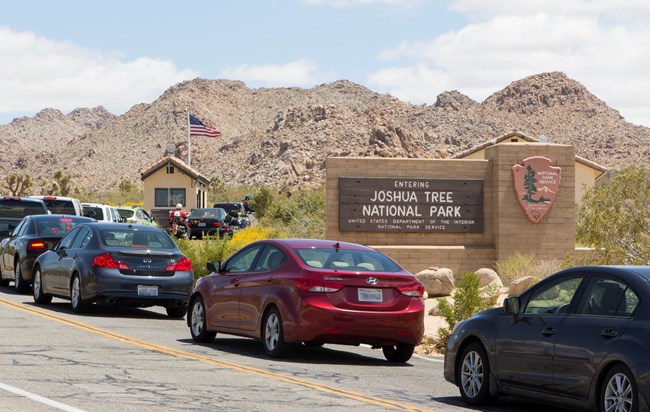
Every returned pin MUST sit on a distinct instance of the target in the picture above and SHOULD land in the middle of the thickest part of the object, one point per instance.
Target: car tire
(4, 282)
(198, 322)
(474, 375)
(76, 301)
(37, 288)
(273, 334)
(21, 284)
(176, 311)
(399, 353)
(619, 391)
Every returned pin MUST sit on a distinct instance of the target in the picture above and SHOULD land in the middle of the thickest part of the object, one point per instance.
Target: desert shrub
(516, 266)
(469, 299)
(300, 215)
(262, 201)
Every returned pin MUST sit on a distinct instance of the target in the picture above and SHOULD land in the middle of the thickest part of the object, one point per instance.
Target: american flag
(197, 128)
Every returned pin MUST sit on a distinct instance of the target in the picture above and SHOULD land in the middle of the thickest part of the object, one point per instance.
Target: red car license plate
(369, 295)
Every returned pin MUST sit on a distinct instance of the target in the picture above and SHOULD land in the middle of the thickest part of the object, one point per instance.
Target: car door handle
(549, 331)
(235, 282)
(609, 333)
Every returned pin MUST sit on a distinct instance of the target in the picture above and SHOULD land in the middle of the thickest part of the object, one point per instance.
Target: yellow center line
(218, 362)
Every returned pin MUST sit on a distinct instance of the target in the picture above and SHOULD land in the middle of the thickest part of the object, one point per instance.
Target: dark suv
(13, 209)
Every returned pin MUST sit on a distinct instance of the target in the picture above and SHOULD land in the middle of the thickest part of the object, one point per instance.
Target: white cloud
(38, 72)
(601, 50)
(297, 73)
(490, 8)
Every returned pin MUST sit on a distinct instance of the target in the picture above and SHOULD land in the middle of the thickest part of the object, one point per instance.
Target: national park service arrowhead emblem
(536, 184)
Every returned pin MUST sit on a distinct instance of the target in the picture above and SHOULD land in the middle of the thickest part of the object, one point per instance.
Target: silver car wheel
(198, 318)
(76, 292)
(272, 331)
(472, 374)
(21, 284)
(618, 394)
(37, 284)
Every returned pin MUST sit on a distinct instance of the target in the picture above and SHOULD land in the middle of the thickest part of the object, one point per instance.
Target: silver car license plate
(369, 295)
(146, 290)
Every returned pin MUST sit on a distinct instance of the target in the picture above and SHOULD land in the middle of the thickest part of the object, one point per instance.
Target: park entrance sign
(461, 214)
(410, 205)
(537, 184)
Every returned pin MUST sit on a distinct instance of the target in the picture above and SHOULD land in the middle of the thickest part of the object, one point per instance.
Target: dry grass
(518, 265)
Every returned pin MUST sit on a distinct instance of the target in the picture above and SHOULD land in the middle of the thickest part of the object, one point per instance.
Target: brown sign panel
(371, 204)
(537, 184)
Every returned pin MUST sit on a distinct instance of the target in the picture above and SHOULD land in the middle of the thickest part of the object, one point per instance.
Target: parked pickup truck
(13, 209)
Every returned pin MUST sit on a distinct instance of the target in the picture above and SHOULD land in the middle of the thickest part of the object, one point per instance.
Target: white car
(101, 212)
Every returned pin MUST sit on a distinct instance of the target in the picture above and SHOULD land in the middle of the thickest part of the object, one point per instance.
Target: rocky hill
(282, 136)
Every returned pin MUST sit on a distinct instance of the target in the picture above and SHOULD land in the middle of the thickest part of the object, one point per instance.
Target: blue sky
(68, 54)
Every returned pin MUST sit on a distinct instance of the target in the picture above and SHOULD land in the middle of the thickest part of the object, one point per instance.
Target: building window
(170, 169)
(169, 197)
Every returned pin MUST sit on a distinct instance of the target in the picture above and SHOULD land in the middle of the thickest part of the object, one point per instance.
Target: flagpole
(189, 147)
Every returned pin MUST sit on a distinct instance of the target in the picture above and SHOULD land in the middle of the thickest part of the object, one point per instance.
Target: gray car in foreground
(115, 264)
(579, 339)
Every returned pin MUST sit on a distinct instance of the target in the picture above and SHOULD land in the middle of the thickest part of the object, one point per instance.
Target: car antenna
(337, 246)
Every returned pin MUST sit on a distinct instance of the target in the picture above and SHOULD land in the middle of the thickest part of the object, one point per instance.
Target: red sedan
(287, 291)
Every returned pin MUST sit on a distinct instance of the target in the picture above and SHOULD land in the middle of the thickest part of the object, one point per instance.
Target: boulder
(519, 285)
(437, 281)
(487, 276)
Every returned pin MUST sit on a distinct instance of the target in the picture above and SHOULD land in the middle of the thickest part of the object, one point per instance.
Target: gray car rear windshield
(136, 239)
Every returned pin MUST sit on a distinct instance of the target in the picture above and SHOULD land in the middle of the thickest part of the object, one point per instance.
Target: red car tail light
(414, 289)
(182, 265)
(105, 260)
(36, 246)
(217, 224)
(308, 285)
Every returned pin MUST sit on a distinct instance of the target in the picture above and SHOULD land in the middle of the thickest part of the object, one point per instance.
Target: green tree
(529, 184)
(262, 201)
(17, 184)
(615, 217)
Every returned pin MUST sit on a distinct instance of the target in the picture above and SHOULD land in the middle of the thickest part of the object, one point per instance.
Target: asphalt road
(119, 359)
